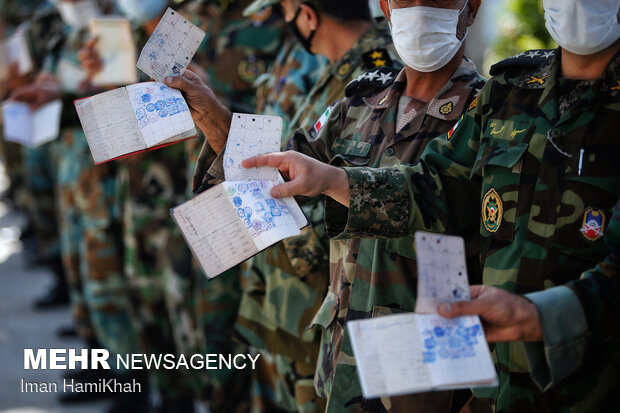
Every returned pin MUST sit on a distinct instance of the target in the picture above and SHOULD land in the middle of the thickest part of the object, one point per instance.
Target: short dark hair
(345, 11)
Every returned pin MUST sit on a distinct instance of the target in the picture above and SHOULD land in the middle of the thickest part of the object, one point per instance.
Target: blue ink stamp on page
(146, 98)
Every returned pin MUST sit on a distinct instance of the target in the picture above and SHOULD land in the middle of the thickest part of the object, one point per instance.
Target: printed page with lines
(110, 125)
(171, 47)
(232, 222)
(415, 352)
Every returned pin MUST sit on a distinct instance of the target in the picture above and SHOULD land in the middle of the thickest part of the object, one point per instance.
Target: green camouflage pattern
(157, 265)
(283, 90)
(371, 277)
(540, 185)
(236, 51)
(89, 216)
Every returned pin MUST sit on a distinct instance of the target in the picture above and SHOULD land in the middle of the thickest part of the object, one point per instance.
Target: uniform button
(556, 133)
(390, 152)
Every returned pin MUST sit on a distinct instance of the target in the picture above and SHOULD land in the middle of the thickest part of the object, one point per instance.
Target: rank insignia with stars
(377, 58)
(446, 108)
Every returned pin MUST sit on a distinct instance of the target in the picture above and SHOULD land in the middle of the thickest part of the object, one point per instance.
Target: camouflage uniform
(286, 283)
(90, 229)
(370, 277)
(44, 31)
(236, 51)
(12, 14)
(536, 157)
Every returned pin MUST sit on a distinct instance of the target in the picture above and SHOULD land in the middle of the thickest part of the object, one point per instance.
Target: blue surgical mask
(142, 11)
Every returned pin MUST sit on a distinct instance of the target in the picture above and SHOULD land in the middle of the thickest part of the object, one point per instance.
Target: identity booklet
(423, 351)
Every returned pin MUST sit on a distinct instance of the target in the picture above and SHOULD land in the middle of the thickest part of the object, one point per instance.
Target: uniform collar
(343, 68)
(448, 104)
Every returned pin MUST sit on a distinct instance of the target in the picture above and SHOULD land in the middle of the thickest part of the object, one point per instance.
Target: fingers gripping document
(134, 118)
(171, 47)
(233, 221)
(117, 49)
(422, 351)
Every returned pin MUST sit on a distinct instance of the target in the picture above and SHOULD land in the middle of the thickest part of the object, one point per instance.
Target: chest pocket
(499, 161)
(351, 152)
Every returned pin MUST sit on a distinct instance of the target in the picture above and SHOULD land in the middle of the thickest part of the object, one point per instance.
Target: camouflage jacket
(236, 50)
(282, 90)
(277, 307)
(543, 184)
(369, 277)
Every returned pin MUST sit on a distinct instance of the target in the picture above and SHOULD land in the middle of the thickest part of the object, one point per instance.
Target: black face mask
(292, 26)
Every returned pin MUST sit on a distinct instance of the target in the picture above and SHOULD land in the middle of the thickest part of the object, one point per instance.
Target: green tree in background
(521, 27)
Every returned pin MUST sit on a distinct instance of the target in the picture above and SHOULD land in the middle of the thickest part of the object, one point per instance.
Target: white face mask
(77, 14)
(583, 27)
(425, 37)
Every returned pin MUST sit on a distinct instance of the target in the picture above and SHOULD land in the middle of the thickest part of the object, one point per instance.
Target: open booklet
(422, 351)
(236, 219)
(15, 49)
(134, 118)
(31, 128)
(117, 49)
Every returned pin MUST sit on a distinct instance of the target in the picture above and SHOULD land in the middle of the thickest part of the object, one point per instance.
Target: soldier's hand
(307, 176)
(505, 316)
(89, 58)
(39, 93)
(211, 116)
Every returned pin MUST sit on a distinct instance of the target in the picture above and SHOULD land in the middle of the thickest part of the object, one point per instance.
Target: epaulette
(371, 81)
(526, 60)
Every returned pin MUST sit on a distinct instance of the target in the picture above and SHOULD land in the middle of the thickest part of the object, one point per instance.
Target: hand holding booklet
(422, 351)
(145, 115)
(134, 118)
(235, 220)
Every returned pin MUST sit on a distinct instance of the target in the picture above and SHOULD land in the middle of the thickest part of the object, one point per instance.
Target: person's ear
(308, 17)
(385, 8)
(474, 6)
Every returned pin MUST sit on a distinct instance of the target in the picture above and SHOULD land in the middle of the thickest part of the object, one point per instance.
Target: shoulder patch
(473, 104)
(371, 81)
(528, 60)
(377, 58)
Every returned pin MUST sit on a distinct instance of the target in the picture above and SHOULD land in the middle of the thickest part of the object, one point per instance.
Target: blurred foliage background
(521, 26)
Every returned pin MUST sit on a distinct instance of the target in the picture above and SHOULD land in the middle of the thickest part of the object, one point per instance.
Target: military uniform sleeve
(210, 167)
(579, 319)
(440, 193)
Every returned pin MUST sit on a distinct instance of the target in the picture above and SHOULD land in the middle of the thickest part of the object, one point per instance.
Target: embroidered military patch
(323, 120)
(593, 224)
(492, 210)
(250, 68)
(455, 127)
(617, 87)
(447, 108)
(344, 69)
(473, 104)
(377, 58)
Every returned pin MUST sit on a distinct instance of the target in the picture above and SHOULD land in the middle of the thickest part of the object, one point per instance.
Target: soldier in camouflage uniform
(236, 51)
(533, 163)
(90, 220)
(381, 123)
(43, 32)
(269, 320)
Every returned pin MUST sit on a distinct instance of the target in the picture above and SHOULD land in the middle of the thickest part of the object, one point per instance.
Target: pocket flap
(351, 147)
(327, 312)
